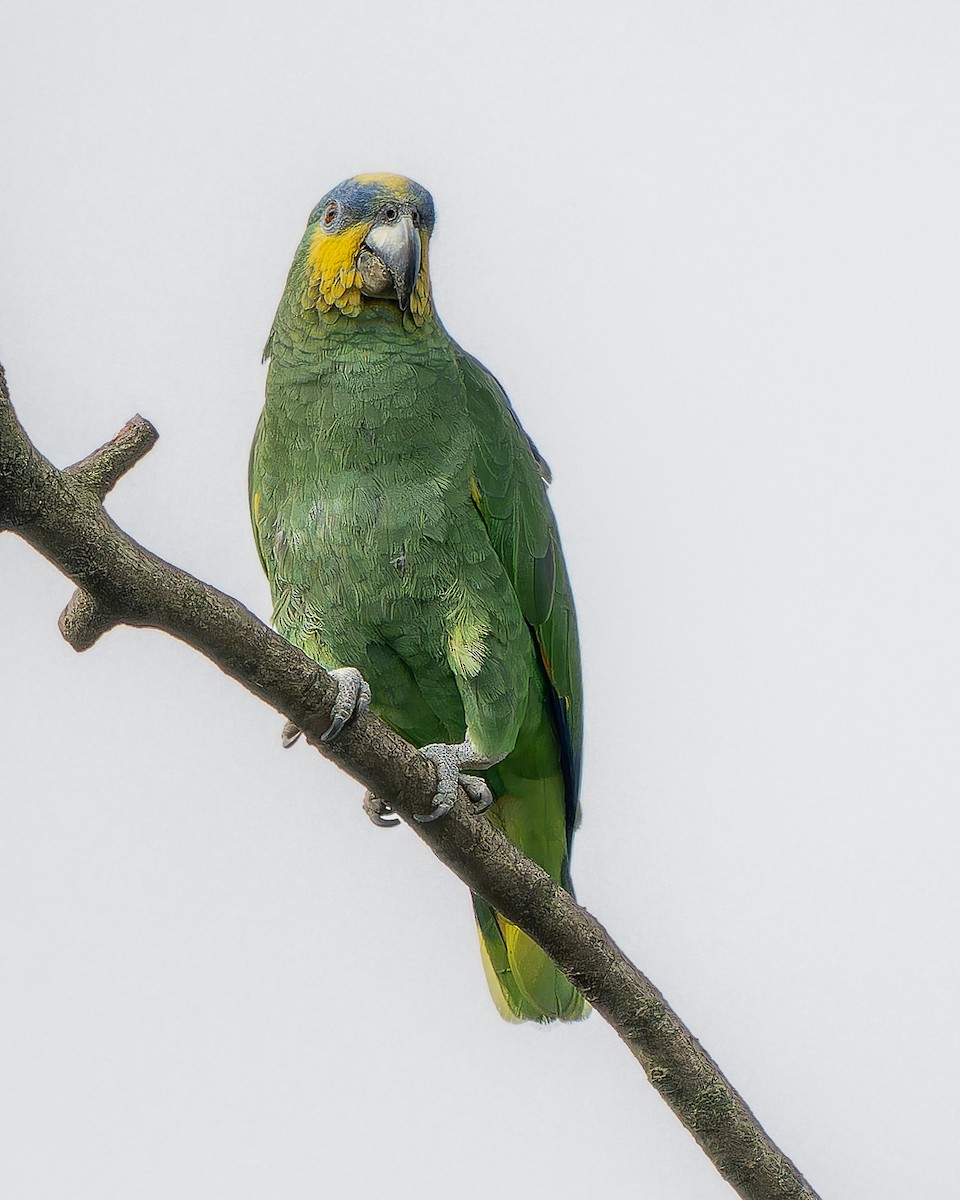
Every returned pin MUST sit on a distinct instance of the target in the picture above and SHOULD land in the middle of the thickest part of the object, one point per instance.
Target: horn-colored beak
(397, 245)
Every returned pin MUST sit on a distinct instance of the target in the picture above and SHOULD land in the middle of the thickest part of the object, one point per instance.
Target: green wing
(253, 488)
(511, 495)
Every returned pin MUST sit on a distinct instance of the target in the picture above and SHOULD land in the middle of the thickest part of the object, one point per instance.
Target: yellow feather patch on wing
(467, 631)
(466, 647)
(333, 281)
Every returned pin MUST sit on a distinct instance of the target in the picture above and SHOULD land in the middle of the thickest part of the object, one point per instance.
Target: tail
(535, 806)
(524, 982)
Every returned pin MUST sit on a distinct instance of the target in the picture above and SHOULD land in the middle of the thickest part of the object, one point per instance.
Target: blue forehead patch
(361, 197)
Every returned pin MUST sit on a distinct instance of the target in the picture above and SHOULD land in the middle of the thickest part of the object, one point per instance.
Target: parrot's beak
(397, 245)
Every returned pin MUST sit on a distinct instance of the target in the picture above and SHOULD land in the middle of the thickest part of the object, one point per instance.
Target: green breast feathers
(402, 519)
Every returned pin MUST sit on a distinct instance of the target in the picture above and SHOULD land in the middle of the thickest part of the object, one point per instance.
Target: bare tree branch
(101, 470)
(119, 582)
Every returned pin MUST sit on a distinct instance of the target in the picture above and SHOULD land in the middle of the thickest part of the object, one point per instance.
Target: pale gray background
(712, 251)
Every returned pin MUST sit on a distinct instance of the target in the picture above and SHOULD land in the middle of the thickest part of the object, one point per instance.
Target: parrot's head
(367, 238)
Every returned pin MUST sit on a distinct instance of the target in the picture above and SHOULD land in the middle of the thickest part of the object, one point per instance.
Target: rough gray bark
(119, 582)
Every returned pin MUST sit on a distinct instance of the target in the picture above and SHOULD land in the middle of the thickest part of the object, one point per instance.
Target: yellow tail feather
(524, 982)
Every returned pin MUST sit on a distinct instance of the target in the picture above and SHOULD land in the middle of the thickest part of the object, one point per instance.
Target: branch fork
(61, 514)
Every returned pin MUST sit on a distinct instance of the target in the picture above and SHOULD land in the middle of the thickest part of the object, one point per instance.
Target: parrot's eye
(415, 215)
(390, 213)
(330, 214)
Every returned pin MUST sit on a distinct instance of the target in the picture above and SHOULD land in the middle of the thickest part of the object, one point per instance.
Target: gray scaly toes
(382, 815)
(448, 760)
(289, 734)
(378, 811)
(353, 698)
(478, 791)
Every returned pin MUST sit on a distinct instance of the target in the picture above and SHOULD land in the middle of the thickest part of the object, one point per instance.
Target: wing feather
(511, 495)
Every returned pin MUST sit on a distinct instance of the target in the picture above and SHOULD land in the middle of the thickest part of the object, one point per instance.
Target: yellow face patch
(333, 281)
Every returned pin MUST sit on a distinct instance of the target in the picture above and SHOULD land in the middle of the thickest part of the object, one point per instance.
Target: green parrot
(401, 516)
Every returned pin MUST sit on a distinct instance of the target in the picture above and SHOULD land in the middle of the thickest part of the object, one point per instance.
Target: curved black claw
(441, 806)
(378, 811)
(289, 734)
(477, 789)
(353, 697)
(448, 760)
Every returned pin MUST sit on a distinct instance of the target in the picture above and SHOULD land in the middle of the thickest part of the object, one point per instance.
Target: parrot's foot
(378, 811)
(353, 698)
(448, 760)
(478, 791)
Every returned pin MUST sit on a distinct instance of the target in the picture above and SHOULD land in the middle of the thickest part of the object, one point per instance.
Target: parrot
(400, 513)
